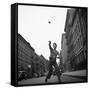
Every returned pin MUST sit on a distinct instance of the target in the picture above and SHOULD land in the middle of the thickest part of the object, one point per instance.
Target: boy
(52, 62)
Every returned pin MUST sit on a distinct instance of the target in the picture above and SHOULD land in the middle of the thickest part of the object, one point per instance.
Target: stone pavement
(76, 76)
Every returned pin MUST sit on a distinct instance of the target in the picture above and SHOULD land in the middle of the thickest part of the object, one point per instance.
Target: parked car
(22, 75)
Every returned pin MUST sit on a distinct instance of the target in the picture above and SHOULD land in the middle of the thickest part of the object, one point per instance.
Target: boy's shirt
(53, 53)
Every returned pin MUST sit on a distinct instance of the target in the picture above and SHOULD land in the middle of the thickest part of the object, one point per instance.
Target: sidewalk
(82, 74)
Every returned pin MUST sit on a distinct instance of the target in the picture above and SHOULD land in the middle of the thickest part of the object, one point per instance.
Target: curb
(80, 77)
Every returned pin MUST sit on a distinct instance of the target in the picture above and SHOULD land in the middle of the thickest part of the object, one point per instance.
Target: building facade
(75, 39)
(28, 60)
(64, 50)
(25, 55)
(44, 63)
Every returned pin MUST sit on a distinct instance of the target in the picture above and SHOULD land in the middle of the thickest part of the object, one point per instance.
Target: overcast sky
(34, 27)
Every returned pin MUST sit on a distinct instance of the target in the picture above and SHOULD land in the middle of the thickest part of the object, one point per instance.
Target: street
(53, 79)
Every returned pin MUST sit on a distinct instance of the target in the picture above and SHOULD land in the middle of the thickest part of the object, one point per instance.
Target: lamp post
(29, 71)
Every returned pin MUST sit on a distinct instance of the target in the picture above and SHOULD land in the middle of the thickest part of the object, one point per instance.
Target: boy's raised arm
(50, 45)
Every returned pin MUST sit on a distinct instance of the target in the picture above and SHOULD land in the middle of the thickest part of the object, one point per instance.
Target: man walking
(52, 62)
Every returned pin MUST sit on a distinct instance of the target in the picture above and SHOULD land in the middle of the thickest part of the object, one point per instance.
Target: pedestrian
(52, 62)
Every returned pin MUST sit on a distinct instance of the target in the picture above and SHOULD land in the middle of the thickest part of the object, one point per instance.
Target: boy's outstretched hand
(49, 42)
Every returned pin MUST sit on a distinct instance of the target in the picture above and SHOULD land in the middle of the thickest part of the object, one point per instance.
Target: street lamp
(29, 66)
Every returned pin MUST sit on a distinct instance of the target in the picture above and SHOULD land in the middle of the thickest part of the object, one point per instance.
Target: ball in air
(49, 22)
